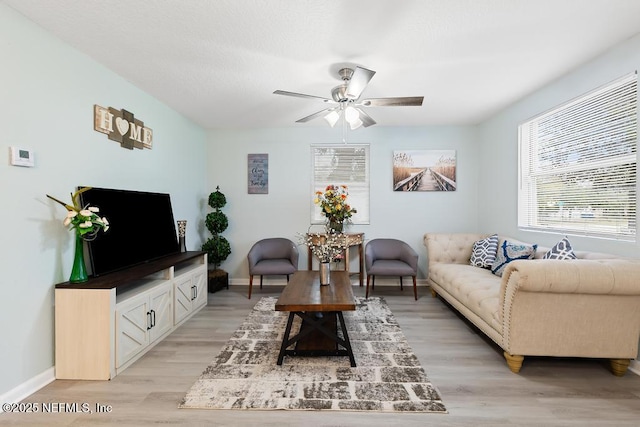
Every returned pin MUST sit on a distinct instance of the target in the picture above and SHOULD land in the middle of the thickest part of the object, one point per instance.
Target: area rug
(388, 376)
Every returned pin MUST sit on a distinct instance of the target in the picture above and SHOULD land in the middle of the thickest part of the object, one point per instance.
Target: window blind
(578, 165)
(342, 164)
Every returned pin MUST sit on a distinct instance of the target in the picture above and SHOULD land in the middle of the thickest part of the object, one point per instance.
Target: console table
(351, 239)
(105, 324)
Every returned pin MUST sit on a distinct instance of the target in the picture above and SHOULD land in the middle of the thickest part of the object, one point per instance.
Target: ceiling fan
(345, 100)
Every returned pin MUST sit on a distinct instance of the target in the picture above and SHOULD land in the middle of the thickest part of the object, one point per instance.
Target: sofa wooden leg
(619, 366)
(514, 362)
(250, 284)
(434, 294)
(415, 289)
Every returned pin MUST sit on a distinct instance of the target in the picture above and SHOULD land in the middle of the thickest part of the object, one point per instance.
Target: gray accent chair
(273, 256)
(390, 257)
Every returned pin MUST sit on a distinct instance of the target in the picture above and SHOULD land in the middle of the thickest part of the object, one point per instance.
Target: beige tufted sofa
(588, 307)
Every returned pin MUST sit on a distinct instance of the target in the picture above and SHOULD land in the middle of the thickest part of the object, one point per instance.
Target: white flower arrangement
(84, 220)
(326, 246)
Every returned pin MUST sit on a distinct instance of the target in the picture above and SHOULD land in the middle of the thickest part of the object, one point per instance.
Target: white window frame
(578, 165)
(322, 156)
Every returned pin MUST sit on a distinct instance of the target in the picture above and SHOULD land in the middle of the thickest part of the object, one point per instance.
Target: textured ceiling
(218, 61)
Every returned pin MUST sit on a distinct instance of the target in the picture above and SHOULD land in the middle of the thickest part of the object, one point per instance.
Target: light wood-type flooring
(469, 371)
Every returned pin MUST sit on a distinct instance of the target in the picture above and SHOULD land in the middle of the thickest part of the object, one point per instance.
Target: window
(578, 165)
(342, 164)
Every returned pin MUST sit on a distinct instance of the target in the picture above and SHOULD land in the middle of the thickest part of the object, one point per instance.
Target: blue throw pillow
(484, 252)
(562, 250)
(510, 252)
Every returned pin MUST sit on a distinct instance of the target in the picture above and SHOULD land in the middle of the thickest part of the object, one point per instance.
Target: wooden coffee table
(320, 308)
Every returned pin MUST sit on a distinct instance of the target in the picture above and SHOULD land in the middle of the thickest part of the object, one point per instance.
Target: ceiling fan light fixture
(351, 115)
(345, 99)
(355, 124)
(332, 118)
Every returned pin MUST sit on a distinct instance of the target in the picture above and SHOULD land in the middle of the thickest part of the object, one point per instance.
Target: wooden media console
(105, 324)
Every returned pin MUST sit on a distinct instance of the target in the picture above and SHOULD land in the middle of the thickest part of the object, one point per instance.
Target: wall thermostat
(21, 157)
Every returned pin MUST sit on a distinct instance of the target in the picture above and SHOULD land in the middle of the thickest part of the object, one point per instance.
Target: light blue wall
(499, 154)
(47, 93)
(285, 211)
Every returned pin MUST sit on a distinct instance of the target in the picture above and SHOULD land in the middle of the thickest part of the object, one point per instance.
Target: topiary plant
(217, 247)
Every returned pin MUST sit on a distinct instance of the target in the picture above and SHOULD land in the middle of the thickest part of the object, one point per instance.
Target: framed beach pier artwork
(424, 170)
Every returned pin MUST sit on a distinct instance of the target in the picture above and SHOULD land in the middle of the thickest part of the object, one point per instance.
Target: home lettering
(121, 126)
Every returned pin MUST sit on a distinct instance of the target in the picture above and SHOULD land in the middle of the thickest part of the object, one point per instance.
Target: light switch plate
(21, 157)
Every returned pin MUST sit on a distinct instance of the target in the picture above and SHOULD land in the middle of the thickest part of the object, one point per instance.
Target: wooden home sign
(122, 127)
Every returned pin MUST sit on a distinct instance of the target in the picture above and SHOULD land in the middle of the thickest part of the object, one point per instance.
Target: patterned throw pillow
(484, 252)
(510, 252)
(562, 250)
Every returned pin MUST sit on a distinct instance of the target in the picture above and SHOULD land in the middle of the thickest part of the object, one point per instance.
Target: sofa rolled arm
(579, 276)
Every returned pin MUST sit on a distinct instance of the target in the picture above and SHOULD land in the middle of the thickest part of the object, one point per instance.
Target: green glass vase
(79, 270)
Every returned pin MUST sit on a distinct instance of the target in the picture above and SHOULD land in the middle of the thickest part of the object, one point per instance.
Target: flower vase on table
(334, 206)
(79, 270)
(326, 247)
(85, 223)
(325, 273)
(336, 226)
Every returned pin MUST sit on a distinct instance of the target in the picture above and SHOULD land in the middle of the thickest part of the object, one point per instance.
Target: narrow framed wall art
(258, 173)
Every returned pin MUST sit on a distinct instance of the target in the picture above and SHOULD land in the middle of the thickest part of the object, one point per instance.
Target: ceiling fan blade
(315, 115)
(359, 80)
(407, 101)
(301, 95)
(366, 119)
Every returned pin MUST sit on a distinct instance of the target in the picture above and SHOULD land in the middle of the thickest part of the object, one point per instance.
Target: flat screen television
(141, 228)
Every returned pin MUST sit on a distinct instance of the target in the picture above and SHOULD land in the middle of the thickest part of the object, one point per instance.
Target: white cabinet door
(190, 293)
(200, 285)
(161, 310)
(183, 294)
(132, 323)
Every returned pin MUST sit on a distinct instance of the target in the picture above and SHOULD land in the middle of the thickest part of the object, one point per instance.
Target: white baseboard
(634, 367)
(29, 387)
